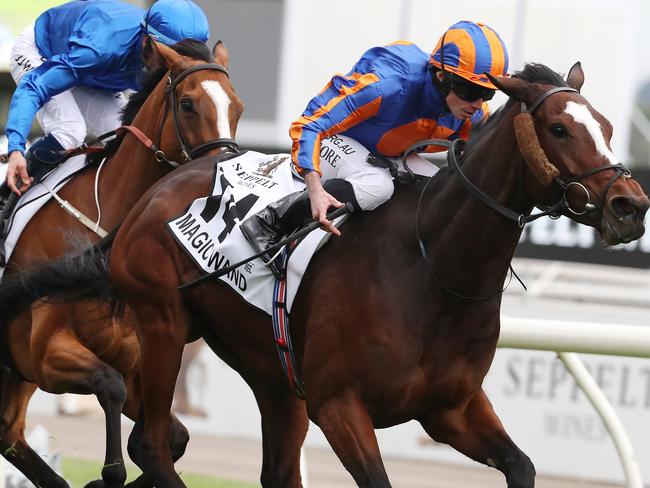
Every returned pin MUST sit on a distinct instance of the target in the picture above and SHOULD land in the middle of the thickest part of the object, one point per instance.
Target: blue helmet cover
(170, 21)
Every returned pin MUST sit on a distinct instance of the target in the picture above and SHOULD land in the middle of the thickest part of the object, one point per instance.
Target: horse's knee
(178, 439)
(109, 387)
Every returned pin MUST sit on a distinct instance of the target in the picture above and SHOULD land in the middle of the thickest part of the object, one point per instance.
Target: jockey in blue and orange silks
(393, 97)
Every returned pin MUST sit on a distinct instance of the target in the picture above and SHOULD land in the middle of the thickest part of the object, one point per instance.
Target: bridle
(159, 155)
(171, 99)
(455, 149)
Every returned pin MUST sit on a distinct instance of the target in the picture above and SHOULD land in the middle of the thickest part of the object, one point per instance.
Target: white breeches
(72, 115)
(343, 157)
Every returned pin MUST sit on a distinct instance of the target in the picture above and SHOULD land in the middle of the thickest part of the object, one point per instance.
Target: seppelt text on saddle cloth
(209, 230)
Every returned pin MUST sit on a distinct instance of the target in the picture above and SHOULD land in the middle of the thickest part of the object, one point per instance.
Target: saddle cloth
(34, 198)
(209, 229)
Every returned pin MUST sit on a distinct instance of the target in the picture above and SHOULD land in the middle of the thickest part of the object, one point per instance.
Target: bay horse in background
(396, 320)
(77, 347)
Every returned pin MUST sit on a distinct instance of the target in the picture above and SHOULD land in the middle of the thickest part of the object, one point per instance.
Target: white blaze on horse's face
(582, 115)
(222, 102)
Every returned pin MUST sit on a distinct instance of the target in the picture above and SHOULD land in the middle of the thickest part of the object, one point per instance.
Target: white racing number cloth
(209, 230)
(37, 196)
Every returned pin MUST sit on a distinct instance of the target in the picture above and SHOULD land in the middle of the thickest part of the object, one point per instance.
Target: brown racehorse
(74, 347)
(396, 320)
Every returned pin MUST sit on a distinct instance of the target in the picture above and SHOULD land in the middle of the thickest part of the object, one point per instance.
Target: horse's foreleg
(14, 398)
(178, 439)
(162, 337)
(284, 426)
(346, 423)
(476, 431)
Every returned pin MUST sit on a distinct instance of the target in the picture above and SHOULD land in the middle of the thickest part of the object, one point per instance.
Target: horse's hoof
(96, 484)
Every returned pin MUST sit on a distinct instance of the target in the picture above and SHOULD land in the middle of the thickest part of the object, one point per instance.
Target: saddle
(405, 177)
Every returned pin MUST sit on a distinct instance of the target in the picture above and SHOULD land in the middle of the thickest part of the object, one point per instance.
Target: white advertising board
(537, 400)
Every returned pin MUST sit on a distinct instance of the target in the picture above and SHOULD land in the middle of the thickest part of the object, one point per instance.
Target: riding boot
(43, 156)
(279, 219)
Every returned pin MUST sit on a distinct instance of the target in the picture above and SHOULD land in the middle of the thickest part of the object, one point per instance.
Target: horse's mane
(532, 73)
(148, 81)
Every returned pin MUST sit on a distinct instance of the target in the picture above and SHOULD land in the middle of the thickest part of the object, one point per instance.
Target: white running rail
(568, 338)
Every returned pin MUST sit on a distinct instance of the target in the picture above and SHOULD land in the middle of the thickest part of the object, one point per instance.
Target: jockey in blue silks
(393, 97)
(71, 68)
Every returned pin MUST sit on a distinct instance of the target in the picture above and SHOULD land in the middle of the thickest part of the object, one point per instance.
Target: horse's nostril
(623, 208)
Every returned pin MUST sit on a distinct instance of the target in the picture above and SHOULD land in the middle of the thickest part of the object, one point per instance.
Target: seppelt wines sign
(539, 403)
(565, 240)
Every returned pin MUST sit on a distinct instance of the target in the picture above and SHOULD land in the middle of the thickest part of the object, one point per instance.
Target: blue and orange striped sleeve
(343, 103)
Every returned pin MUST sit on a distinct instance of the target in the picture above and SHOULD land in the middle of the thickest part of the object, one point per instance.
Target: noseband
(170, 90)
(555, 211)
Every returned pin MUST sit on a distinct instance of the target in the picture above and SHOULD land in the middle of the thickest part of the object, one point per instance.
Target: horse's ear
(513, 87)
(220, 54)
(156, 55)
(576, 76)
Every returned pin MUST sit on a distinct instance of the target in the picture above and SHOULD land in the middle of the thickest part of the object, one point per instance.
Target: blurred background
(282, 52)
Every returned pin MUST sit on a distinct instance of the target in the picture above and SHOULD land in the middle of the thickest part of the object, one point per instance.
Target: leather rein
(159, 155)
(554, 211)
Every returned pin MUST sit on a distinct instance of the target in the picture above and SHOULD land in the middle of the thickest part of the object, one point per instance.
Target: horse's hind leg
(346, 423)
(284, 426)
(477, 432)
(14, 398)
(67, 365)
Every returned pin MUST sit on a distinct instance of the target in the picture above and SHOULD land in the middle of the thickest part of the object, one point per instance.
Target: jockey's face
(468, 100)
(460, 108)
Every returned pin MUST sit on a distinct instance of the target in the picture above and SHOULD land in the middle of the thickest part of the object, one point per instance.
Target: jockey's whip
(302, 232)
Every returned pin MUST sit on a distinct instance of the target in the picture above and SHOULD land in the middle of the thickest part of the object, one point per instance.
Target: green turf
(79, 472)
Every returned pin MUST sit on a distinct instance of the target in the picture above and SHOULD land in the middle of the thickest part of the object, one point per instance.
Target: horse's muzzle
(623, 219)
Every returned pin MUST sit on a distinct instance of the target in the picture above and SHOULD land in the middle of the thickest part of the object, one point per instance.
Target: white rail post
(607, 414)
(566, 338)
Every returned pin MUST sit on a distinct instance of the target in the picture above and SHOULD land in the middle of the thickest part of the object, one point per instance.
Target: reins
(455, 149)
(159, 155)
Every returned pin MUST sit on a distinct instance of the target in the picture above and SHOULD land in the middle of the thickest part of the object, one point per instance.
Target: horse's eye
(186, 105)
(558, 130)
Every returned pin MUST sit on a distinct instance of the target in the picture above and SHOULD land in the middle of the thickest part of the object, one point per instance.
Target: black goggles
(470, 92)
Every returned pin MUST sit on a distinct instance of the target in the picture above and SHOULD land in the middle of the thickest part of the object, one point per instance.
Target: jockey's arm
(320, 201)
(35, 89)
(344, 103)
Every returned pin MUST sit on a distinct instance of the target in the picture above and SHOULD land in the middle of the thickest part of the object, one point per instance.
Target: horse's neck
(470, 244)
(132, 170)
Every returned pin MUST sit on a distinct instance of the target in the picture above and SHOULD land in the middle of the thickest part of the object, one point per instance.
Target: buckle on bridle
(159, 156)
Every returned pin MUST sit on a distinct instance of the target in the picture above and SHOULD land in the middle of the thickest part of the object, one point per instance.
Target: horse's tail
(70, 278)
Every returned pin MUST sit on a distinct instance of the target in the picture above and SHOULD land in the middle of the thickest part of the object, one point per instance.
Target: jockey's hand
(17, 173)
(321, 201)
